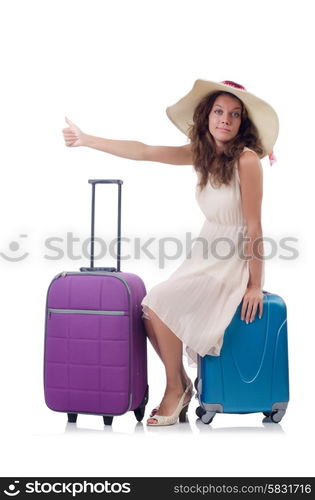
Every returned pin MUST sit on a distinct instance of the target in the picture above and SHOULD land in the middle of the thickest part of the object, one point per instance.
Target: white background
(113, 67)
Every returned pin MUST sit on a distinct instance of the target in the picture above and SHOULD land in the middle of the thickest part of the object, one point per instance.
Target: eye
(219, 110)
(236, 114)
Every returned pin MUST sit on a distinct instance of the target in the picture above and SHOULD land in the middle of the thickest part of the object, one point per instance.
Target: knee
(145, 312)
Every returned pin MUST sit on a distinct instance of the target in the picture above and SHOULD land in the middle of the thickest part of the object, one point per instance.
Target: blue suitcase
(252, 373)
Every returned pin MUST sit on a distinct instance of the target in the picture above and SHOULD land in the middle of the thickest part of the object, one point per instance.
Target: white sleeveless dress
(198, 301)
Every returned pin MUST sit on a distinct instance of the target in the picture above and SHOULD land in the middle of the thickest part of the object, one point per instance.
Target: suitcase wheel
(72, 417)
(139, 413)
(108, 420)
(273, 416)
(200, 411)
(207, 418)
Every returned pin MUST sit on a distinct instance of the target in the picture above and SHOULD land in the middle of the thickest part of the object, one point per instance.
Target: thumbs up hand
(73, 136)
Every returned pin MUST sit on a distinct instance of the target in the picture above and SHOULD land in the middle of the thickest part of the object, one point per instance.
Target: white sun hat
(259, 111)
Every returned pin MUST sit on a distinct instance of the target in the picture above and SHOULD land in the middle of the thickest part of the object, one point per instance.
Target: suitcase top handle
(119, 183)
(105, 181)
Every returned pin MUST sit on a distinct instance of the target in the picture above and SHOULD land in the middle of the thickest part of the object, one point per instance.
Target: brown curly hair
(203, 145)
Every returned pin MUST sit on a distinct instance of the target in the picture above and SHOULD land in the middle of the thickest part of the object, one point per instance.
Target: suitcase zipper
(84, 311)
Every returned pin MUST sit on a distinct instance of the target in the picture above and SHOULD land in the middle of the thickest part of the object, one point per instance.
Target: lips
(224, 129)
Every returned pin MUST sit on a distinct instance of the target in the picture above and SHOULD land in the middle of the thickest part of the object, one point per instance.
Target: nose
(225, 119)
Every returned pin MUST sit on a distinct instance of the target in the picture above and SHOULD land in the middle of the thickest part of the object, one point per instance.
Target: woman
(229, 130)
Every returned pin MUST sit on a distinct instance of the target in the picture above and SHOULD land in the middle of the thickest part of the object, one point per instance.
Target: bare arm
(251, 179)
(174, 155)
(133, 150)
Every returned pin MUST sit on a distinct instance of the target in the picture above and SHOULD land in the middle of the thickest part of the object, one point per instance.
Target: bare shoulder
(251, 186)
(249, 167)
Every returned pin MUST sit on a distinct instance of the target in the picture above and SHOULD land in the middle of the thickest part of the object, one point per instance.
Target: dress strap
(248, 149)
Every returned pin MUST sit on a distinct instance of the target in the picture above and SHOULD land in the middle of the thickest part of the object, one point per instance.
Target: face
(224, 120)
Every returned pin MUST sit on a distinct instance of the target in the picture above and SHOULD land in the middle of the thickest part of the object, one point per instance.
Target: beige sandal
(180, 412)
(156, 409)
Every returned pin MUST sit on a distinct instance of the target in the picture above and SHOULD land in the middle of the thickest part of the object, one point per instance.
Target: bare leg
(152, 337)
(170, 349)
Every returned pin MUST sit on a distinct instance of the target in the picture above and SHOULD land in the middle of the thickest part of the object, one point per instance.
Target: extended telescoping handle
(104, 181)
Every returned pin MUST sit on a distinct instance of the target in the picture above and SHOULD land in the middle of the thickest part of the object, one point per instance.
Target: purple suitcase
(95, 358)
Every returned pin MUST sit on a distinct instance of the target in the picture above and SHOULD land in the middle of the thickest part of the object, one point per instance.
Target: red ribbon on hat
(271, 156)
(233, 84)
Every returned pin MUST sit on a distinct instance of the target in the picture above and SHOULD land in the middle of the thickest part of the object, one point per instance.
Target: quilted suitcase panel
(95, 343)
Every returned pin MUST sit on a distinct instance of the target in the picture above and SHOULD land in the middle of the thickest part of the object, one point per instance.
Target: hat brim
(259, 111)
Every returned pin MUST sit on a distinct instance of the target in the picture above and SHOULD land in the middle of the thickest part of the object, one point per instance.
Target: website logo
(12, 490)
